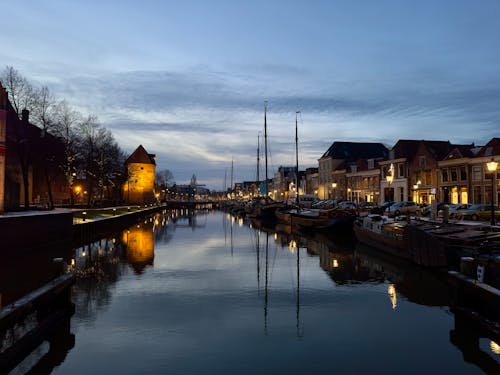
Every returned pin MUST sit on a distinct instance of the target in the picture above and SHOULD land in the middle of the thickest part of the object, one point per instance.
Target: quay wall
(30, 230)
(89, 231)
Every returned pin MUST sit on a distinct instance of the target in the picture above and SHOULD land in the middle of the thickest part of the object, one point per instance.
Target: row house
(363, 181)
(338, 161)
(311, 185)
(30, 161)
(283, 182)
(464, 177)
(411, 171)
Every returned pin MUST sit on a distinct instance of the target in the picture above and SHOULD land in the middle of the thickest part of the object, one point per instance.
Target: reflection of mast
(232, 222)
(267, 274)
(299, 334)
(258, 261)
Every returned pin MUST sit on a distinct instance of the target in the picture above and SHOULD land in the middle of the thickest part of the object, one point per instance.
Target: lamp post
(334, 187)
(492, 168)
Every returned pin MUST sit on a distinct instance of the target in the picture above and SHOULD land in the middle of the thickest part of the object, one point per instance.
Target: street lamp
(390, 175)
(492, 168)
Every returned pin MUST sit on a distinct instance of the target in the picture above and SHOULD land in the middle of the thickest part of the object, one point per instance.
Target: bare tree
(44, 114)
(163, 180)
(21, 92)
(65, 127)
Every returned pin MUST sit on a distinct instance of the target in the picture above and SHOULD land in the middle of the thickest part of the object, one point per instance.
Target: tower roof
(140, 155)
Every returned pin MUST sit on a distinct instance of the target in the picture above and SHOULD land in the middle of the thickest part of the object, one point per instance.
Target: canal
(187, 292)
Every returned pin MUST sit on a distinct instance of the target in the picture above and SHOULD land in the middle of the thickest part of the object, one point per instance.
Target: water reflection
(199, 284)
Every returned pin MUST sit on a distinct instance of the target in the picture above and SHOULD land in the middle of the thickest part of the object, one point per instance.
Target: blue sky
(188, 79)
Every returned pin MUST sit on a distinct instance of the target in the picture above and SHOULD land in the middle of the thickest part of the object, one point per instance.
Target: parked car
(426, 211)
(324, 204)
(454, 209)
(381, 210)
(367, 206)
(347, 205)
(478, 212)
(404, 207)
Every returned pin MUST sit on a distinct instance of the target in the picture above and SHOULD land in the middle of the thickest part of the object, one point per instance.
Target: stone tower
(139, 187)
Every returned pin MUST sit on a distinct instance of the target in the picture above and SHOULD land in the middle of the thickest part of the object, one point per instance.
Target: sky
(188, 79)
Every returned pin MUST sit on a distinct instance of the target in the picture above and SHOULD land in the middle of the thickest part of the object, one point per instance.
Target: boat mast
(297, 161)
(258, 163)
(232, 165)
(265, 143)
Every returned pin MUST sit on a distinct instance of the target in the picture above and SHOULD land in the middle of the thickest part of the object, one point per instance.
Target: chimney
(3, 97)
(25, 116)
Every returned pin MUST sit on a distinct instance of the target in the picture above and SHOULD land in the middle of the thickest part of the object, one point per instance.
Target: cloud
(200, 119)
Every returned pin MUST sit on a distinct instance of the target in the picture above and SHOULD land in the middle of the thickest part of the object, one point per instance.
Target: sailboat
(265, 207)
(311, 219)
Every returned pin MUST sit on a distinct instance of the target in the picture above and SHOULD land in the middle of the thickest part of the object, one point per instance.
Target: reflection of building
(140, 246)
(139, 187)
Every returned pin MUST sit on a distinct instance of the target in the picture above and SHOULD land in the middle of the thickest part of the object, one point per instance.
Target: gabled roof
(353, 151)
(141, 156)
(461, 151)
(407, 148)
(491, 148)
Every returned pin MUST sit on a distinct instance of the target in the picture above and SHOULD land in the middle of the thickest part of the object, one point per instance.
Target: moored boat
(384, 234)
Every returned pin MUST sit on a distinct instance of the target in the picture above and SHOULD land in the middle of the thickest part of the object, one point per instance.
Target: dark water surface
(204, 293)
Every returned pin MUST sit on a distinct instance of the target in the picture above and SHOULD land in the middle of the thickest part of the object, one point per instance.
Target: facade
(283, 180)
(139, 187)
(363, 182)
(411, 171)
(3, 129)
(486, 191)
(311, 176)
(337, 161)
(454, 174)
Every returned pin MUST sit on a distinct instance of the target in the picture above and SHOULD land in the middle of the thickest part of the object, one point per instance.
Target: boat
(322, 219)
(264, 208)
(383, 233)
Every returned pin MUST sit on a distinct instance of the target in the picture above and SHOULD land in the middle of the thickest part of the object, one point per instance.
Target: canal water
(187, 292)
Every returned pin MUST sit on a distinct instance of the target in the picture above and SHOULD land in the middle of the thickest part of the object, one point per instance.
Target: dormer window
(371, 163)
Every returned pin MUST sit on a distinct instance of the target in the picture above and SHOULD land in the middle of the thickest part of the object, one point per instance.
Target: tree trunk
(49, 189)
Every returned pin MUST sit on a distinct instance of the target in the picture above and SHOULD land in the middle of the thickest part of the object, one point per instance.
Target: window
(463, 174)
(444, 174)
(476, 173)
(421, 162)
(371, 163)
(354, 168)
(454, 176)
(401, 168)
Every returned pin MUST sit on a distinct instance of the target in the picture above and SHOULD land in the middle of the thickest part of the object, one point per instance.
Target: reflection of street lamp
(492, 168)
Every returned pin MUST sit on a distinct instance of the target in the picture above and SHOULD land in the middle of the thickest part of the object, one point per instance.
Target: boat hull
(395, 247)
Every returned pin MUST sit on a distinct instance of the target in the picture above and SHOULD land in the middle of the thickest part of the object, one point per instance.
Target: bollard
(446, 214)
